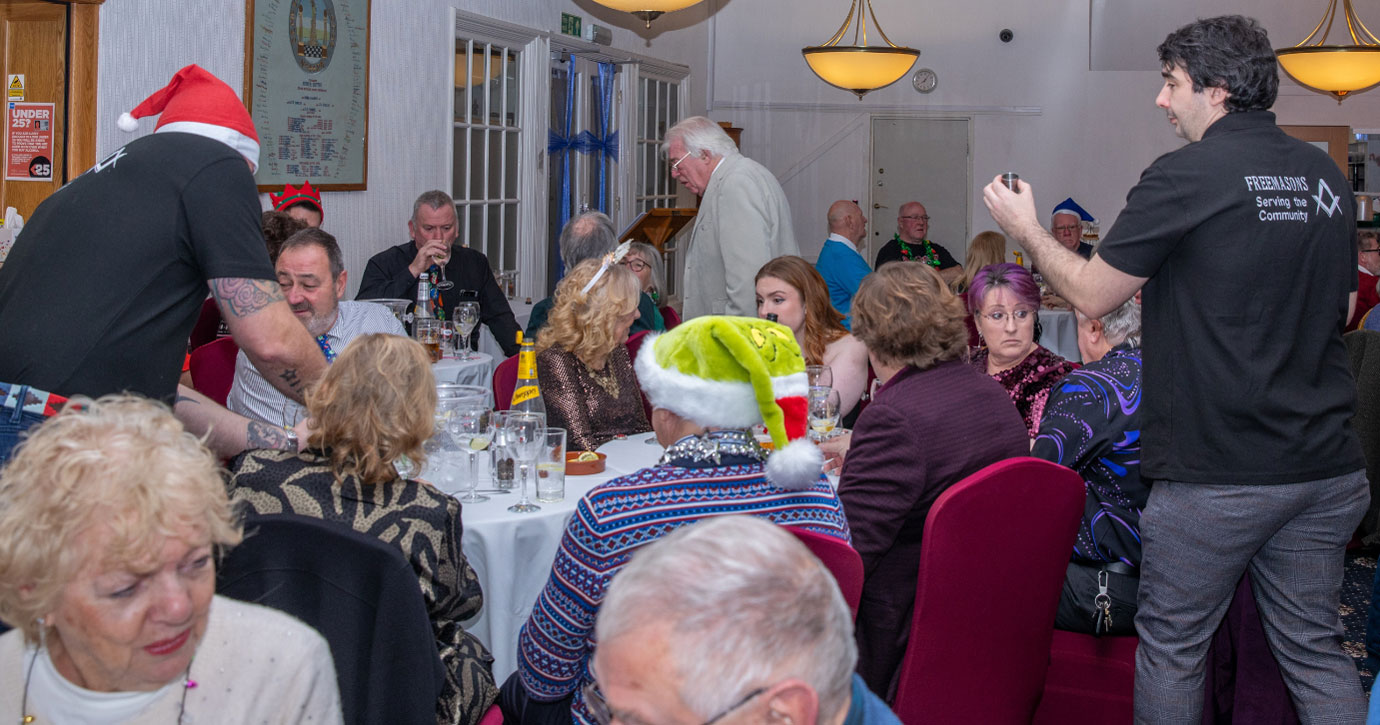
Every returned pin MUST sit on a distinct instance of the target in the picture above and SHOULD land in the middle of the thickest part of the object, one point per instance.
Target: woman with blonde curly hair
(372, 408)
(792, 290)
(934, 420)
(111, 519)
(586, 375)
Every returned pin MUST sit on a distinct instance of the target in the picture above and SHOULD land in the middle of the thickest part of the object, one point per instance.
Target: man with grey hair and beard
(729, 616)
(743, 221)
(1092, 425)
(588, 236)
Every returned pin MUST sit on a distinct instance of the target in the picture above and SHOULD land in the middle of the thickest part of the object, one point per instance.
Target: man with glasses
(1368, 275)
(1066, 226)
(912, 226)
(696, 630)
(590, 235)
(743, 221)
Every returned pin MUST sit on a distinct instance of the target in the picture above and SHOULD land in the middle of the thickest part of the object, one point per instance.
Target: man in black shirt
(1244, 243)
(912, 224)
(393, 273)
(104, 284)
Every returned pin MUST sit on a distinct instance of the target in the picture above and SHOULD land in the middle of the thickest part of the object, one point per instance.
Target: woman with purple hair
(1005, 303)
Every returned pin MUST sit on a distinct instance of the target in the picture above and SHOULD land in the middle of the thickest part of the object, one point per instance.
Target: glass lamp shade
(860, 68)
(1336, 69)
(647, 10)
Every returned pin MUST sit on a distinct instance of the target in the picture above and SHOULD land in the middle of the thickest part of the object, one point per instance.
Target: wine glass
(525, 433)
(824, 412)
(440, 261)
(820, 376)
(469, 427)
(466, 319)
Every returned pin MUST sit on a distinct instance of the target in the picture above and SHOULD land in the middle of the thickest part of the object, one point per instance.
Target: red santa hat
(195, 101)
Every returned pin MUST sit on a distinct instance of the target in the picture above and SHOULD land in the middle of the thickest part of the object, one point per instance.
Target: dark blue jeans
(13, 422)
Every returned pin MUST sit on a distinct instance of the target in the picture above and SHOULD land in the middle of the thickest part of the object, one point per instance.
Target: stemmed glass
(824, 412)
(525, 433)
(469, 425)
(441, 282)
(820, 376)
(466, 319)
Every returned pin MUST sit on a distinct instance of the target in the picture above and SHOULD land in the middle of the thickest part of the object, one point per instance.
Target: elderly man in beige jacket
(743, 220)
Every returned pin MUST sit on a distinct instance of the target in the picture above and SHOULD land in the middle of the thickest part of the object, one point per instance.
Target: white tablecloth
(1060, 333)
(478, 371)
(487, 343)
(512, 553)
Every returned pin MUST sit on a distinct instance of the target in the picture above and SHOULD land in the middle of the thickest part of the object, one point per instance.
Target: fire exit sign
(570, 24)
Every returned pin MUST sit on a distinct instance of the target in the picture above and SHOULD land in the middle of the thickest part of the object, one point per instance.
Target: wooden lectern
(657, 226)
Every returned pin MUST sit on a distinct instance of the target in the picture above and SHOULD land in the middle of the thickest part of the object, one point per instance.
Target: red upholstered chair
(207, 328)
(991, 570)
(843, 562)
(1091, 680)
(634, 344)
(493, 716)
(670, 316)
(213, 368)
(505, 382)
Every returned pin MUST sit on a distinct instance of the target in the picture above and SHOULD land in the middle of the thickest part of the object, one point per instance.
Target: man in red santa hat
(106, 280)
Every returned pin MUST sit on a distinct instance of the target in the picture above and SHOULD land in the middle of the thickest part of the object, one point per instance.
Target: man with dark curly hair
(1244, 241)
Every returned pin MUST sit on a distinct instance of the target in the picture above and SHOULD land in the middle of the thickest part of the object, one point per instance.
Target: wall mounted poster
(29, 142)
(306, 83)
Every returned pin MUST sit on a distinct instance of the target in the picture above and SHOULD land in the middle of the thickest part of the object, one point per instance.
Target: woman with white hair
(112, 517)
(1092, 425)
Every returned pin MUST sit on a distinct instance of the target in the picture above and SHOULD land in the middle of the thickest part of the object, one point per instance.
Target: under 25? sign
(29, 142)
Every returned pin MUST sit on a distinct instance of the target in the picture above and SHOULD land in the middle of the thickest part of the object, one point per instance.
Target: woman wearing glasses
(1368, 254)
(1005, 302)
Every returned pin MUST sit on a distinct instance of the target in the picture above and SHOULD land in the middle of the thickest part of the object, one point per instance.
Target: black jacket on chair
(361, 595)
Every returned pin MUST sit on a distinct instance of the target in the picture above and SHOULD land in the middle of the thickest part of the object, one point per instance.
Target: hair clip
(610, 259)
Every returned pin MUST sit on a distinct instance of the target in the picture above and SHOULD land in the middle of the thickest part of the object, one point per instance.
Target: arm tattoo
(289, 376)
(242, 297)
(263, 435)
(185, 399)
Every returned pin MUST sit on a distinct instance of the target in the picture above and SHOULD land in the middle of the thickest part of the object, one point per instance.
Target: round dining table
(1059, 333)
(511, 552)
(477, 370)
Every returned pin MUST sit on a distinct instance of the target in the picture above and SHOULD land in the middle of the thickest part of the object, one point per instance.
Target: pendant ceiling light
(859, 67)
(1340, 70)
(647, 10)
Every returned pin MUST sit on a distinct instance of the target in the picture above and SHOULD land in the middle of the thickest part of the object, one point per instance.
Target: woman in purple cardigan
(935, 420)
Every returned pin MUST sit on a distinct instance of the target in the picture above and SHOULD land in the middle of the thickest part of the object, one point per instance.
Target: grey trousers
(1198, 540)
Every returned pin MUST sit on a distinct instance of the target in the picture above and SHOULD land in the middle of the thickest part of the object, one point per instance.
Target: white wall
(1092, 134)
(143, 42)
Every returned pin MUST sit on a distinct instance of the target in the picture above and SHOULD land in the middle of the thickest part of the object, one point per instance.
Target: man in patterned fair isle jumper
(709, 381)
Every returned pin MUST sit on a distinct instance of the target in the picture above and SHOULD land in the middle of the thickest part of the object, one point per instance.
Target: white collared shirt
(845, 241)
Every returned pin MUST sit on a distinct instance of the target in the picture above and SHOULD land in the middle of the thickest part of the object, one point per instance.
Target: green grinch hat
(736, 372)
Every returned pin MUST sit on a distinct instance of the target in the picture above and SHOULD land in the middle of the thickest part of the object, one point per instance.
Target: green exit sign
(570, 24)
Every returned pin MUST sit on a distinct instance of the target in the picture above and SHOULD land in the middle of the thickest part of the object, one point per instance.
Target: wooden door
(33, 43)
(1332, 139)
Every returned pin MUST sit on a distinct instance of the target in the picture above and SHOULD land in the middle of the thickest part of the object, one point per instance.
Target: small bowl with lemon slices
(584, 463)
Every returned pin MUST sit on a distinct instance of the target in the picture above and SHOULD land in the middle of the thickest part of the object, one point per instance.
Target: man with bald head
(842, 267)
(912, 226)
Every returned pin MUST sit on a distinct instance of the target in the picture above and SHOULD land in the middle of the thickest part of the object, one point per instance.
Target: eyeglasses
(635, 265)
(1021, 314)
(676, 165)
(926, 217)
(1073, 228)
(1368, 251)
(604, 715)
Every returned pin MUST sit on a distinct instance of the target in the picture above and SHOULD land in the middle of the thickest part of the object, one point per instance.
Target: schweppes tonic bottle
(527, 394)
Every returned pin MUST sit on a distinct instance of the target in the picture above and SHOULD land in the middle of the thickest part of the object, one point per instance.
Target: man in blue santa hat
(1066, 225)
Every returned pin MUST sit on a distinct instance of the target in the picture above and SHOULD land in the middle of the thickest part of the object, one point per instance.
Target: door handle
(879, 206)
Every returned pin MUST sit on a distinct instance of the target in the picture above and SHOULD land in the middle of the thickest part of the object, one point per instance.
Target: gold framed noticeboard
(306, 84)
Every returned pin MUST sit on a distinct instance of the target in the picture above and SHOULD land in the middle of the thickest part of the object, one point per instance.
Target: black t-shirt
(106, 280)
(1247, 238)
(891, 252)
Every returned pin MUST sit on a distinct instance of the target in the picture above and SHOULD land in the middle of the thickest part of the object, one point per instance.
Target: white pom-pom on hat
(796, 466)
(127, 123)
